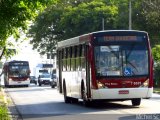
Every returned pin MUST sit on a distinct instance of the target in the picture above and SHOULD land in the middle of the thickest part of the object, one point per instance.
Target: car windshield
(45, 76)
(121, 60)
(32, 77)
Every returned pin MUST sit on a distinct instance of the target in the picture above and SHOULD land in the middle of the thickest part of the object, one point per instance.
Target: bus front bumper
(26, 82)
(121, 93)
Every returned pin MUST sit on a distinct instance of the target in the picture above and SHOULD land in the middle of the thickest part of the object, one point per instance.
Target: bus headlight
(100, 85)
(145, 84)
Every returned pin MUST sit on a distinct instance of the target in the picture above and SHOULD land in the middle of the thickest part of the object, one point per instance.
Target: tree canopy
(61, 22)
(62, 19)
(14, 17)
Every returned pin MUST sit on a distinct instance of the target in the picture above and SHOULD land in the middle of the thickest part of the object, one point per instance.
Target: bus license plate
(124, 92)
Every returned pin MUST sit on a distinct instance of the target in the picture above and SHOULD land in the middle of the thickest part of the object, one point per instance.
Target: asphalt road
(39, 103)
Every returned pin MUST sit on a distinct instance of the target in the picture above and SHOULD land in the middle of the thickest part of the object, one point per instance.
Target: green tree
(14, 17)
(63, 21)
(146, 17)
(59, 21)
(156, 55)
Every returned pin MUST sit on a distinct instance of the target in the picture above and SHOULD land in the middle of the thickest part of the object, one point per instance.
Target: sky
(25, 52)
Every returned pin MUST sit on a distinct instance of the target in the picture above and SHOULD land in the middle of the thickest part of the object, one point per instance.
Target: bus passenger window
(74, 59)
(68, 59)
(64, 60)
(72, 56)
(83, 58)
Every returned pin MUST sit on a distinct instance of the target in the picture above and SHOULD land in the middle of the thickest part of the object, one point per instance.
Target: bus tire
(86, 102)
(53, 86)
(36, 83)
(5, 84)
(66, 98)
(136, 102)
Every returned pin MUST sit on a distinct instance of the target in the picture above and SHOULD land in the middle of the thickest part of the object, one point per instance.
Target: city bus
(105, 66)
(16, 73)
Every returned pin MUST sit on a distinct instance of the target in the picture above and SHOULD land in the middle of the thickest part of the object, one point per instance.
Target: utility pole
(130, 14)
(102, 23)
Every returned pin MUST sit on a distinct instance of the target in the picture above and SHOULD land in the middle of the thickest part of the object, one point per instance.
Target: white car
(44, 79)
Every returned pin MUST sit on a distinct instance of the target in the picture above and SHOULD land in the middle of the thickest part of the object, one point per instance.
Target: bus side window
(68, 59)
(83, 57)
(78, 58)
(64, 59)
(73, 59)
(75, 56)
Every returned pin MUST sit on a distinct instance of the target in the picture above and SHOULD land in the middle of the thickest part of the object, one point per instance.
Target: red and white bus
(106, 65)
(16, 73)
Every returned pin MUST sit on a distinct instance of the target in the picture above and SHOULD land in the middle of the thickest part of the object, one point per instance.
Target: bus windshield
(18, 70)
(121, 60)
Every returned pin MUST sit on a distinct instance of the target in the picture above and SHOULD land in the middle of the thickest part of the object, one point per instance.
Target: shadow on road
(59, 110)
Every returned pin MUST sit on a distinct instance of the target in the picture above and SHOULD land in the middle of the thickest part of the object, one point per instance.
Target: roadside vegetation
(156, 90)
(3, 108)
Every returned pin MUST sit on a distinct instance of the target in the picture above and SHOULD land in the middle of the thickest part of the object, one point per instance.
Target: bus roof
(86, 37)
(12, 61)
(17, 61)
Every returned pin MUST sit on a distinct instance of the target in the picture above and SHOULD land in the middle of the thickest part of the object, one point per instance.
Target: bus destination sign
(120, 38)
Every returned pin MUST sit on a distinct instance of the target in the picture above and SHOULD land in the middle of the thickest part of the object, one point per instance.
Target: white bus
(16, 73)
(98, 66)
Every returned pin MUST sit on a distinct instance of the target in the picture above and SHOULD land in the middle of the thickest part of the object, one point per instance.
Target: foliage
(156, 90)
(156, 75)
(14, 16)
(146, 17)
(68, 18)
(61, 22)
(156, 55)
(3, 108)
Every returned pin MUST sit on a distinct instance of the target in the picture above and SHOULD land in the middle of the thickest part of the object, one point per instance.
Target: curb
(5, 101)
(4, 96)
(12, 109)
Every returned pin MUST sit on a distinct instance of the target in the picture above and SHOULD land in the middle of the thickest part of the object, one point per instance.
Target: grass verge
(3, 108)
(156, 90)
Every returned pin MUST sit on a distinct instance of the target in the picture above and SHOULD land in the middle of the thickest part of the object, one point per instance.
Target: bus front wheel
(40, 84)
(86, 102)
(136, 102)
